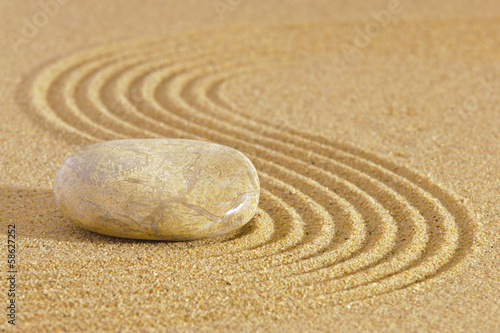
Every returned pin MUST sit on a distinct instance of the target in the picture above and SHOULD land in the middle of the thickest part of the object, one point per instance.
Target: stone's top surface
(165, 189)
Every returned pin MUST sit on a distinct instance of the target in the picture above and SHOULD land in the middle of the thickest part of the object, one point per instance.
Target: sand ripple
(335, 223)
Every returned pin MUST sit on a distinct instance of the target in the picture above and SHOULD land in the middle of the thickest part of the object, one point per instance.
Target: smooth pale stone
(165, 189)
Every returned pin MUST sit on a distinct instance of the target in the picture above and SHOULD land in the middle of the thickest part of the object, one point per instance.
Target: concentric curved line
(453, 237)
(197, 128)
(351, 225)
(386, 243)
(85, 78)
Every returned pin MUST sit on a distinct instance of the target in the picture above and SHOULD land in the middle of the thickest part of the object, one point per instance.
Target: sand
(374, 129)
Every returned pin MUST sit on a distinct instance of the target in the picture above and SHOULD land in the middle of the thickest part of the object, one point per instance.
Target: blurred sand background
(374, 126)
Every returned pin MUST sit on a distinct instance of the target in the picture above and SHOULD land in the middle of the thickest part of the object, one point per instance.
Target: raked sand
(374, 129)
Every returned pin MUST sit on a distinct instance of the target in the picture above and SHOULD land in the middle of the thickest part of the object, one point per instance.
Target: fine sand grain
(374, 130)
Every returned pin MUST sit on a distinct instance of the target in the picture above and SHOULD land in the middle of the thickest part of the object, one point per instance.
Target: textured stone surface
(167, 189)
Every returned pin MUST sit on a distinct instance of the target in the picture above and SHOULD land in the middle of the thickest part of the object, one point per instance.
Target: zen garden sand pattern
(361, 225)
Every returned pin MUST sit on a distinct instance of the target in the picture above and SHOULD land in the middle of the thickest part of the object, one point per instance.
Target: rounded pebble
(163, 189)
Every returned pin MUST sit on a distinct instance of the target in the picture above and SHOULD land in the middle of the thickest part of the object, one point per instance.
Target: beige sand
(377, 147)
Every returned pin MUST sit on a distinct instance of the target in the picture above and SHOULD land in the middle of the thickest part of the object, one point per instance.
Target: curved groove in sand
(348, 226)
(85, 77)
(179, 121)
(324, 232)
(450, 239)
(411, 257)
(278, 158)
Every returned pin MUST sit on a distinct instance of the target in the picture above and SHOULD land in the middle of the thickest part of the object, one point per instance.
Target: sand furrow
(336, 223)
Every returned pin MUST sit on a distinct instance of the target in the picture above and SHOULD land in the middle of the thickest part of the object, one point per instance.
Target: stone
(162, 189)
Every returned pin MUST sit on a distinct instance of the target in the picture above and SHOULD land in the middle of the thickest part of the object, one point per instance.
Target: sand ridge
(379, 175)
(343, 223)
